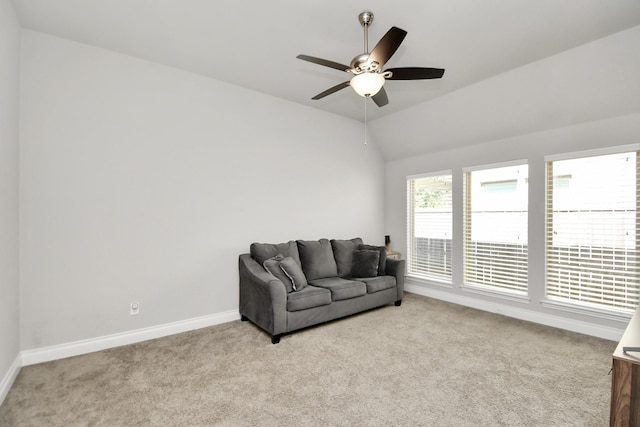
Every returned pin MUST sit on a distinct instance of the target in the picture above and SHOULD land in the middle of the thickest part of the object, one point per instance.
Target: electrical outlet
(134, 308)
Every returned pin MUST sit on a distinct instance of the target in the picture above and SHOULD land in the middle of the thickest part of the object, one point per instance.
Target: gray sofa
(289, 286)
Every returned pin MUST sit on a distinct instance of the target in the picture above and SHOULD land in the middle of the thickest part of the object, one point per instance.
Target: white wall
(9, 185)
(144, 183)
(613, 125)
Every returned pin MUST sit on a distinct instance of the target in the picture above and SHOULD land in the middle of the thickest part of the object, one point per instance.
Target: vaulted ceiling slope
(595, 81)
(254, 45)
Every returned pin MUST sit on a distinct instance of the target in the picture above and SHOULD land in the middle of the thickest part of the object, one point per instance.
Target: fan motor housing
(361, 64)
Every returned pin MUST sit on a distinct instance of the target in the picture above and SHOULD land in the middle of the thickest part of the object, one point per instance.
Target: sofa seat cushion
(309, 297)
(379, 283)
(340, 288)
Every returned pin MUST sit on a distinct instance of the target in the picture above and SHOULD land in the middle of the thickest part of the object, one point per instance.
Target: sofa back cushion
(263, 251)
(343, 254)
(317, 259)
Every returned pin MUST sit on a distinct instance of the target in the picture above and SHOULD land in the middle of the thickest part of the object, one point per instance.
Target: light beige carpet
(425, 363)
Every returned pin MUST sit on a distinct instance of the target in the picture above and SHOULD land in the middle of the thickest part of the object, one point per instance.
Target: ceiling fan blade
(387, 46)
(415, 73)
(331, 90)
(380, 98)
(324, 62)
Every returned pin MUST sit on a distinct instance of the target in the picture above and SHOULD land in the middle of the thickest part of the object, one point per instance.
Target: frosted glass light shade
(367, 84)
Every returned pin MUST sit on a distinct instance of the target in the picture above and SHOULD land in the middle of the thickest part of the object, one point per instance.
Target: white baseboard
(573, 325)
(9, 378)
(76, 348)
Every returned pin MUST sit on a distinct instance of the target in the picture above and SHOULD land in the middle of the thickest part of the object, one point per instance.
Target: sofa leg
(244, 318)
(275, 339)
(398, 303)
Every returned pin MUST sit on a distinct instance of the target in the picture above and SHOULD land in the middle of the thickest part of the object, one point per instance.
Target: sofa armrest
(263, 298)
(396, 268)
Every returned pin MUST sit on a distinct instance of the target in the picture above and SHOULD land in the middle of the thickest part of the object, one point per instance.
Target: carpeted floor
(426, 363)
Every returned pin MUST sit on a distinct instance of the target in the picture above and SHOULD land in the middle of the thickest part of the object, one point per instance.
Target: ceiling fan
(368, 77)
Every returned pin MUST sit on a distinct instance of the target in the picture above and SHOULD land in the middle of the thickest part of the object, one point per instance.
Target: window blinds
(592, 231)
(429, 226)
(496, 228)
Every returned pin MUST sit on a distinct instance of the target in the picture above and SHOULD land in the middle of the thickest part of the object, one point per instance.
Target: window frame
(565, 304)
(518, 295)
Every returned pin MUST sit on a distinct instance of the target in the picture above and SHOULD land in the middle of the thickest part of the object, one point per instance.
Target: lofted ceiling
(254, 44)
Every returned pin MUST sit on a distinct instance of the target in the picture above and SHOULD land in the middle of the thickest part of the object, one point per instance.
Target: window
(429, 225)
(592, 230)
(495, 227)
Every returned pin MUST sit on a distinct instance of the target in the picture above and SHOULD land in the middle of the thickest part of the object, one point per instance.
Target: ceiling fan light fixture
(367, 84)
(367, 69)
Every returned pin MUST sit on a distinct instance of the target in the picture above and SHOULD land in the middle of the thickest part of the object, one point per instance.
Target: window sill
(586, 310)
(429, 281)
(497, 293)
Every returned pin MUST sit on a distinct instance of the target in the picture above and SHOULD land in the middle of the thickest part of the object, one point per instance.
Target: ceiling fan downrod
(360, 63)
(366, 18)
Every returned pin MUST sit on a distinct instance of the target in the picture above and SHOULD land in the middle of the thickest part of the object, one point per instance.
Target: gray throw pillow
(272, 265)
(382, 263)
(263, 251)
(317, 259)
(343, 254)
(365, 263)
(287, 271)
(294, 273)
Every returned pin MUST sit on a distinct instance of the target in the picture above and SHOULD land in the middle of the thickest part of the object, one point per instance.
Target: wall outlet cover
(134, 308)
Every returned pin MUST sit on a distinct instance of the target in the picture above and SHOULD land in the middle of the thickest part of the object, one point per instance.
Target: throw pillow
(294, 272)
(365, 263)
(317, 259)
(343, 254)
(272, 265)
(382, 263)
(263, 251)
(287, 271)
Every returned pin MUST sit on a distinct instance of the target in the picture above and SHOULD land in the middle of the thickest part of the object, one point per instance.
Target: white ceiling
(254, 44)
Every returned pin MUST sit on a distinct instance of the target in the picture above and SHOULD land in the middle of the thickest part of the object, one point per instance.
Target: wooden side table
(393, 255)
(625, 377)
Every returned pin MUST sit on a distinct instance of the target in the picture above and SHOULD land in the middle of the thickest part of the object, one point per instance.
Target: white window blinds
(592, 231)
(496, 228)
(429, 226)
